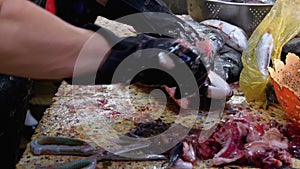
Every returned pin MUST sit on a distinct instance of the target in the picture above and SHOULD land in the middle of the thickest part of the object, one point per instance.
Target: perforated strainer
(245, 15)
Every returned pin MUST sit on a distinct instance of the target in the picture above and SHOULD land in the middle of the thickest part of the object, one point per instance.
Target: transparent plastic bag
(283, 22)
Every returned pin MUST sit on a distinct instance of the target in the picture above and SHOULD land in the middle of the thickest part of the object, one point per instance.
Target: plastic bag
(283, 22)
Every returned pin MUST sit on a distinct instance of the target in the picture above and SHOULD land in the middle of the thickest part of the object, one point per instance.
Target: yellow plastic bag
(283, 22)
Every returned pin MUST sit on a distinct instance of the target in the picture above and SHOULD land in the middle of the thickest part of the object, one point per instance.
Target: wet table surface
(73, 112)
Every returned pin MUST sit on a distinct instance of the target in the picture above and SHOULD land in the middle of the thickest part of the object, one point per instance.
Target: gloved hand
(160, 61)
(153, 61)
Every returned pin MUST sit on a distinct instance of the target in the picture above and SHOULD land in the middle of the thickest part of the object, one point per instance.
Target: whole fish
(263, 52)
(235, 37)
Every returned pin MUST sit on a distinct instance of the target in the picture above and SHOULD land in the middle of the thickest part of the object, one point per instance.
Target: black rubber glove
(143, 57)
(130, 46)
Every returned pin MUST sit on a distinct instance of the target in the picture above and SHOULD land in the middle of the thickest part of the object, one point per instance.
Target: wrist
(109, 36)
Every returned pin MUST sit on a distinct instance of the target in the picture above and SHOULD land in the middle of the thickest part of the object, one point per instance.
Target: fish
(263, 52)
(235, 36)
(229, 64)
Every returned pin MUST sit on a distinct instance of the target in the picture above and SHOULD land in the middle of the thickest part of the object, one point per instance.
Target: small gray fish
(263, 52)
(236, 37)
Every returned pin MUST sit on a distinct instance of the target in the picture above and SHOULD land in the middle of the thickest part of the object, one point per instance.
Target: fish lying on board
(235, 36)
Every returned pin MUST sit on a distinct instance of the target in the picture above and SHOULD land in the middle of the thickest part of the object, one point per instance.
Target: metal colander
(245, 15)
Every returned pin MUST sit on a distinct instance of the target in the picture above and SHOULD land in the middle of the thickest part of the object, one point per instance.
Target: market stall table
(76, 110)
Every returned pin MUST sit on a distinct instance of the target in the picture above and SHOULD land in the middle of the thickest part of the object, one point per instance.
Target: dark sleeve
(153, 15)
(78, 12)
(115, 9)
(146, 16)
(75, 12)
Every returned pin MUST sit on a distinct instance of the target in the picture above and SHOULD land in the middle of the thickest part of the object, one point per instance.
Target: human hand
(162, 61)
(153, 61)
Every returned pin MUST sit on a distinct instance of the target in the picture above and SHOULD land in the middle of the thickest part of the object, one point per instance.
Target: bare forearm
(37, 44)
